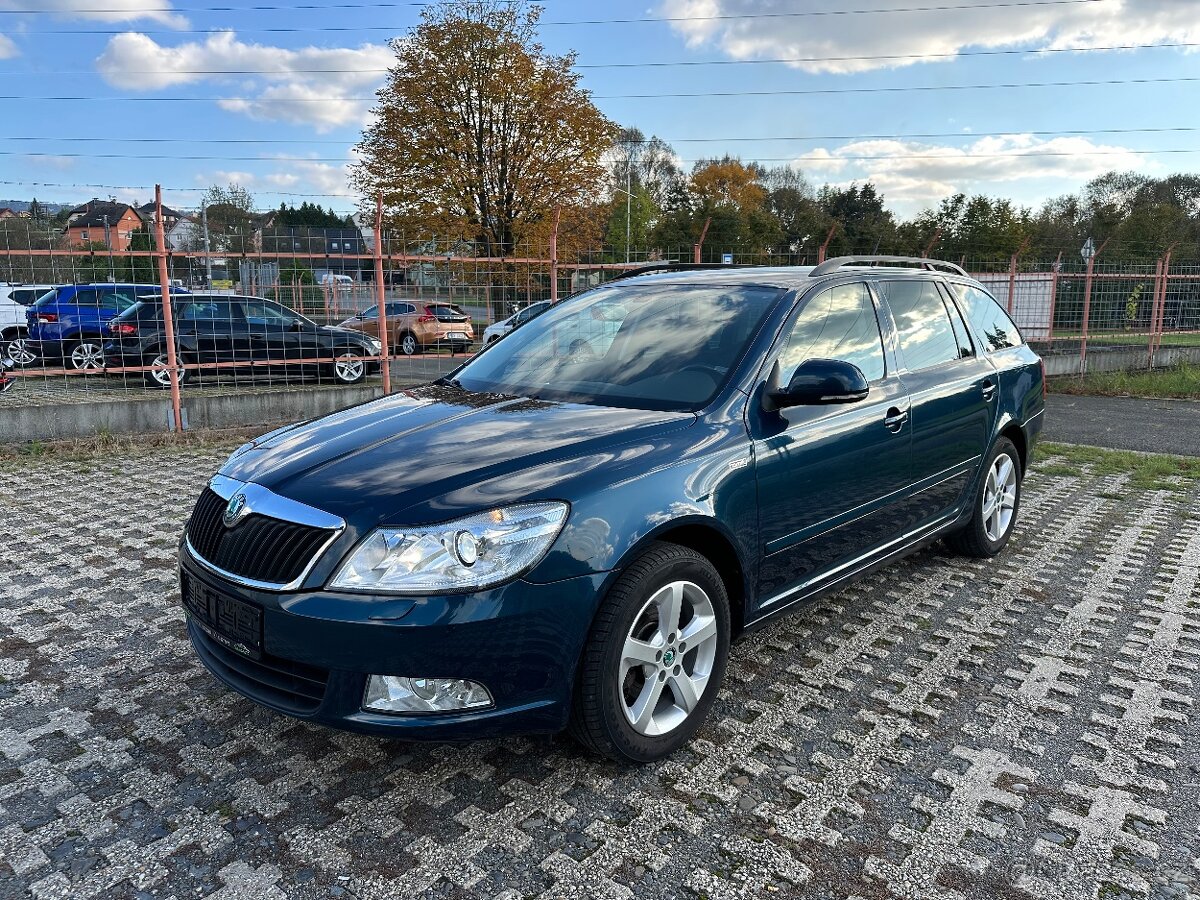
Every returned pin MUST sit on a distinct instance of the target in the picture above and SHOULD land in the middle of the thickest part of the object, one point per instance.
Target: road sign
(1088, 250)
(727, 259)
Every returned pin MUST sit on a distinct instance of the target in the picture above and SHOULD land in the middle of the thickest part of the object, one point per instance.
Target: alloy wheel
(18, 351)
(999, 497)
(408, 345)
(668, 658)
(348, 368)
(87, 356)
(163, 375)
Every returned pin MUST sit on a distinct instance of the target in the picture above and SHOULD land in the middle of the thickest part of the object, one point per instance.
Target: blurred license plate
(230, 622)
(456, 336)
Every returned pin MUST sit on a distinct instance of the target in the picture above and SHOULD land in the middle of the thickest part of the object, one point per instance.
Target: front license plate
(230, 622)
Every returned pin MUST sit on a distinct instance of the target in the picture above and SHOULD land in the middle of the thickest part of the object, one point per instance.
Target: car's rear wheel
(86, 355)
(349, 367)
(656, 656)
(17, 349)
(409, 344)
(160, 376)
(996, 503)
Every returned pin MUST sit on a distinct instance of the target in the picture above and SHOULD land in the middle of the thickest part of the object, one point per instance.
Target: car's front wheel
(656, 656)
(409, 344)
(996, 503)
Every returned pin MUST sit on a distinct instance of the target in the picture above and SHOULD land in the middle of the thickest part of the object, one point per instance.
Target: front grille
(279, 683)
(258, 547)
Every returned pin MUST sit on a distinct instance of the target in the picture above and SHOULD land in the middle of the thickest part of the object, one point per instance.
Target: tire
(612, 688)
(161, 378)
(85, 355)
(349, 367)
(17, 349)
(988, 532)
(409, 344)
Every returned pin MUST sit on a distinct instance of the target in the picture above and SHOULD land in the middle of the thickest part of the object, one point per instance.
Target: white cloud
(915, 175)
(982, 24)
(106, 10)
(305, 86)
(7, 48)
(289, 176)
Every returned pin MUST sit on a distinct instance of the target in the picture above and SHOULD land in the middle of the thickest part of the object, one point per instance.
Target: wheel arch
(1011, 429)
(712, 540)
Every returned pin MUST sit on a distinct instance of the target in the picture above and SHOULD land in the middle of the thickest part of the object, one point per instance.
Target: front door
(830, 477)
(953, 390)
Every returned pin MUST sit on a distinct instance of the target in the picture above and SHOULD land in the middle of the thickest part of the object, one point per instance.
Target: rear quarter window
(989, 319)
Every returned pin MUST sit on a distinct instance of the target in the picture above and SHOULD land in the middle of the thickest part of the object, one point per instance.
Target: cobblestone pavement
(946, 729)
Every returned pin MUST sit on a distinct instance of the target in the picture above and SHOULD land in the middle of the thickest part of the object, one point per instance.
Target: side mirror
(817, 382)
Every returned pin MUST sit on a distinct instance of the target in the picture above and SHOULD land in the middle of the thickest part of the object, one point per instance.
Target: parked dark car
(585, 534)
(67, 323)
(242, 333)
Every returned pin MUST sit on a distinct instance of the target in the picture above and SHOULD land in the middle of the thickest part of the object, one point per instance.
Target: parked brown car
(414, 326)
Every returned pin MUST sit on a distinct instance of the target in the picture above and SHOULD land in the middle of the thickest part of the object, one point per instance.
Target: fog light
(397, 694)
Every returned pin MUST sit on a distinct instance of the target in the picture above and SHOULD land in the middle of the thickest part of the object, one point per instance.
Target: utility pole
(207, 248)
(628, 201)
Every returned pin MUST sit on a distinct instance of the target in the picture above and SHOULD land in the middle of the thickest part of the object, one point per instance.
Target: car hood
(371, 462)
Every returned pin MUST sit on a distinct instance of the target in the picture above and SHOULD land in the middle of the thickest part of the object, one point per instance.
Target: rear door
(211, 325)
(277, 334)
(831, 478)
(952, 389)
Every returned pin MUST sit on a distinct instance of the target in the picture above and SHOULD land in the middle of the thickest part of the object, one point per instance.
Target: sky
(1026, 99)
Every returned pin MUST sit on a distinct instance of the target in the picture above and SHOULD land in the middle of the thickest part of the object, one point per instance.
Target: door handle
(895, 419)
(989, 390)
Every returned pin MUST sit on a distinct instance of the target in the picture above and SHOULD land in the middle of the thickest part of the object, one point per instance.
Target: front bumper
(521, 640)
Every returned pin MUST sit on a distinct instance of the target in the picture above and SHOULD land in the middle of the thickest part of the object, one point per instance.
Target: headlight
(467, 554)
(375, 346)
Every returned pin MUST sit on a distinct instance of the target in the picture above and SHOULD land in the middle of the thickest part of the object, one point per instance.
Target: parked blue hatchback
(67, 323)
(569, 530)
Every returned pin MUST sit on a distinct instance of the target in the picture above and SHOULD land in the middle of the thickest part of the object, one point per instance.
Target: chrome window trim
(264, 502)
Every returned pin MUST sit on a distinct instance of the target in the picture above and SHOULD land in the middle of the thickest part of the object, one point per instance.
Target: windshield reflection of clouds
(656, 347)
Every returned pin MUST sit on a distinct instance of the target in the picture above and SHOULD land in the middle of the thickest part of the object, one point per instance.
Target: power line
(659, 96)
(815, 13)
(1016, 154)
(142, 187)
(706, 140)
(663, 64)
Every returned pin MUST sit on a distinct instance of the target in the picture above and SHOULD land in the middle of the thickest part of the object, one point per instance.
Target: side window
(260, 312)
(840, 324)
(205, 311)
(922, 324)
(989, 319)
(371, 312)
(86, 297)
(120, 299)
(399, 309)
(966, 348)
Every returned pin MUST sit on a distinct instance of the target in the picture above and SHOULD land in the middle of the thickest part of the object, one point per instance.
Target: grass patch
(1180, 382)
(1130, 339)
(1146, 471)
(106, 444)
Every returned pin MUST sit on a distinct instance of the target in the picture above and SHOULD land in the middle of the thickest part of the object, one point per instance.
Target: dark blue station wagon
(569, 530)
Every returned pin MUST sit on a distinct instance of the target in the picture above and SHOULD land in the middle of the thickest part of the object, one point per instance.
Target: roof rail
(667, 266)
(838, 262)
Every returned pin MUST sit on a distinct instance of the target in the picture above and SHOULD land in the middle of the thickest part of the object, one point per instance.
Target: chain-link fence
(86, 320)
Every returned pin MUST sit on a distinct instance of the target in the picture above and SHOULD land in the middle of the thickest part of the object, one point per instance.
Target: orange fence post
(696, 247)
(385, 366)
(164, 283)
(1158, 312)
(1012, 276)
(825, 246)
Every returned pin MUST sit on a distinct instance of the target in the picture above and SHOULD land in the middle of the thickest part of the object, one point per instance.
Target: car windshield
(663, 346)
